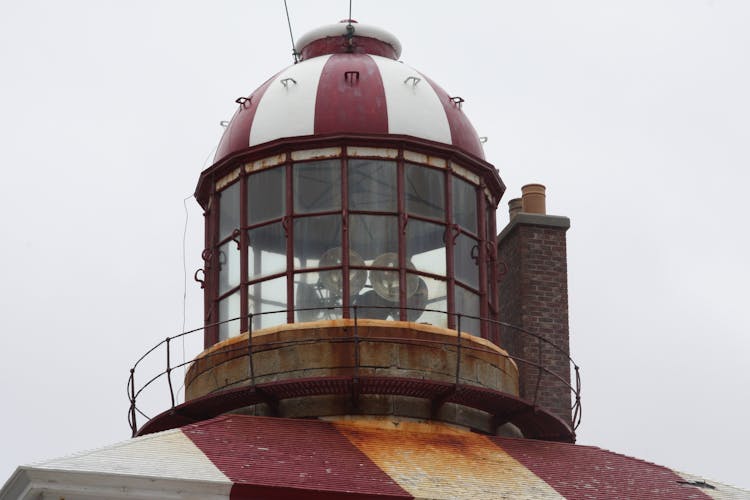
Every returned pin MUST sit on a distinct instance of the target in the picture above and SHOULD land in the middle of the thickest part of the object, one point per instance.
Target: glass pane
(314, 236)
(372, 185)
(425, 191)
(313, 300)
(229, 266)
(317, 186)
(431, 294)
(425, 246)
(466, 260)
(373, 235)
(490, 219)
(229, 308)
(464, 204)
(468, 303)
(266, 195)
(229, 210)
(267, 297)
(266, 251)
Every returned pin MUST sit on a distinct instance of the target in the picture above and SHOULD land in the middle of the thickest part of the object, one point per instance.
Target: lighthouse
(367, 331)
(351, 262)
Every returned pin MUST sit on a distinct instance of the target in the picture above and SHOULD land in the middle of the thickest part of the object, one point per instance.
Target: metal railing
(250, 349)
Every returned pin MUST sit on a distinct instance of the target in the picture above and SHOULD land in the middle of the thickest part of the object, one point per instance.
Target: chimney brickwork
(534, 295)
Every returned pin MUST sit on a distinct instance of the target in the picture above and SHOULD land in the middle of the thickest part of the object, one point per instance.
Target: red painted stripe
(289, 458)
(350, 97)
(253, 492)
(237, 135)
(592, 473)
(463, 134)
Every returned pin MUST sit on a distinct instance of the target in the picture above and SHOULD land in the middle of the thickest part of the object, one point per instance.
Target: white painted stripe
(413, 109)
(289, 110)
(169, 454)
(718, 492)
(339, 29)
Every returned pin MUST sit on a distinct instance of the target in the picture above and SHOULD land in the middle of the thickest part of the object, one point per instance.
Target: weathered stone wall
(385, 349)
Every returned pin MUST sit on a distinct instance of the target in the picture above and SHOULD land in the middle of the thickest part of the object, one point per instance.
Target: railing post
(577, 412)
(355, 379)
(169, 373)
(458, 350)
(356, 344)
(251, 368)
(133, 423)
(540, 370)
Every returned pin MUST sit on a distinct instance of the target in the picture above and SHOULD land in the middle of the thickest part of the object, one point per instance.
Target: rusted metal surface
(436, 461)
(534, 423)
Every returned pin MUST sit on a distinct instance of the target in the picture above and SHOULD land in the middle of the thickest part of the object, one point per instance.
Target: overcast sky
(633, 113)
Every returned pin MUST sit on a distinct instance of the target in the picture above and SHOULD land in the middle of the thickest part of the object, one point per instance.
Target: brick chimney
(533, 289)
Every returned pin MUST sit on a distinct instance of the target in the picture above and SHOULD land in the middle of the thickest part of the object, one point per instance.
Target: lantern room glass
(312, 240)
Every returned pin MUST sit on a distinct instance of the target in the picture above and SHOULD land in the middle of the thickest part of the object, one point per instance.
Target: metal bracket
(244, 101)
(285, 82)
(440, 400)
(413, 79)
(199, 280)
(458, 101)
(269, 399)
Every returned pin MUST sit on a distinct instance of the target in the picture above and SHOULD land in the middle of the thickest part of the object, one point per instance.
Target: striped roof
(236, 456)
(357, 93)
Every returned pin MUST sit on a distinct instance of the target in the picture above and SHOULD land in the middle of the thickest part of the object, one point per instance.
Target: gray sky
(633, 113)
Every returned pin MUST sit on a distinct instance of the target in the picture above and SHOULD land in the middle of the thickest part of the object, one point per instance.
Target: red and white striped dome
(349, 81)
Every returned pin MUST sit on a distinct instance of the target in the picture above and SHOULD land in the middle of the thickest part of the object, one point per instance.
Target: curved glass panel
(372, 185)
(314, 236)
(317, 186)
(266, 252)
(426, 305)
(467, 302)
(425, 191)
(310, 232)
(229, 308)
(267, 297)
(229, 210)
(314, 300)
(465, 204)
(425, 246)
(373, 235)
(466, 260)
(266, 195)
(229, 266)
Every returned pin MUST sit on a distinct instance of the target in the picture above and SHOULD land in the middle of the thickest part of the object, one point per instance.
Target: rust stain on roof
(433, 460)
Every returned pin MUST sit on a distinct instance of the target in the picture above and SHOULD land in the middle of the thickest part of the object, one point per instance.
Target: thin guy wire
(184, 281)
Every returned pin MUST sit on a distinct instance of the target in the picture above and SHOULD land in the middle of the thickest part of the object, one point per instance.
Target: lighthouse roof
(240, 456)
(349, 82)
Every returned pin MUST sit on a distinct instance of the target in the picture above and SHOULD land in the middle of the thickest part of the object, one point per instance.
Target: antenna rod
(289, 22)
